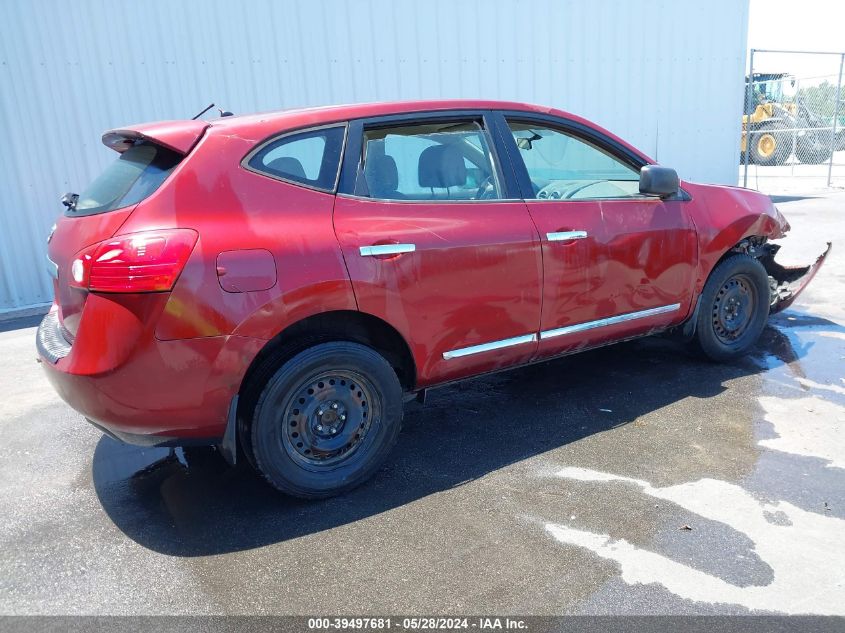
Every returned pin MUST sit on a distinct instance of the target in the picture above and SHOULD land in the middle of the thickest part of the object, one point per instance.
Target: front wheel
(326, 420)
(770, 144)
(734, 308)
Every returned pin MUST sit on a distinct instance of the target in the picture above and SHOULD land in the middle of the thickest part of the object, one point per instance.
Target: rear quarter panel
(235, 209)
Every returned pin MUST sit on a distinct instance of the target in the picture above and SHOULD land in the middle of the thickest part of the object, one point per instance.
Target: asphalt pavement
(632, 479)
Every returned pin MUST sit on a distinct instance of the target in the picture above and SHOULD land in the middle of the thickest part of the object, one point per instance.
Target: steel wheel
(328, 418)
(733, 308)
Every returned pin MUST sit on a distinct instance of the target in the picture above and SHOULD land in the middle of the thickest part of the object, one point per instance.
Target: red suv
(279, 284)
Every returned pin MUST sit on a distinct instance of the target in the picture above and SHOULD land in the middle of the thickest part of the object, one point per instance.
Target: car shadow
(188, 502)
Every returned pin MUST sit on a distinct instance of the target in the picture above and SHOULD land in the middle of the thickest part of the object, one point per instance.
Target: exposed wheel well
(753, 245)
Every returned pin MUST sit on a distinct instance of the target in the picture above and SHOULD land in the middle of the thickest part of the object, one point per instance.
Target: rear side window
(448, 160)
(138, 172)
(309, 158)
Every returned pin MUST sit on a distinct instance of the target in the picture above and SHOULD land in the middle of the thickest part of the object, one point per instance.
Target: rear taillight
(139, 262)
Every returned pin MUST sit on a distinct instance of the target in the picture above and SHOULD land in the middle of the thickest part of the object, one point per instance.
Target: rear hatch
(147, 155)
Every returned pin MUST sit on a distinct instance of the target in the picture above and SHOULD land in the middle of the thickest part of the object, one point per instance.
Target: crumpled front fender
(787, 282)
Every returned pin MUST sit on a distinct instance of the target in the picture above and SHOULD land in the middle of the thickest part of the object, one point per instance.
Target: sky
(813, 25)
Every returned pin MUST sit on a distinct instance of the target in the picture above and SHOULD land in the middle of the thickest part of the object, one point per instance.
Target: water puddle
(802, 548)
(789, 508)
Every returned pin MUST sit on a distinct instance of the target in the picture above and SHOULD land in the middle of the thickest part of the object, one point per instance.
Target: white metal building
(666, 75)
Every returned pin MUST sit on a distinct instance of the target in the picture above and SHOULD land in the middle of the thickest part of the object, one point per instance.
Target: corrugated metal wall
(666, 75)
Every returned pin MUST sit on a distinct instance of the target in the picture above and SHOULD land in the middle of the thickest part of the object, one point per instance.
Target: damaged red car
(279, 284)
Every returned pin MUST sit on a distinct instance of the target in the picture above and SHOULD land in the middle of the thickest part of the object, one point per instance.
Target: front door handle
(562, 236)
(386, 249)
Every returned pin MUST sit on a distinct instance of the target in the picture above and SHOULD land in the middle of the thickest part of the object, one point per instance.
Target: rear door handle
(562, 236)
(386, 249)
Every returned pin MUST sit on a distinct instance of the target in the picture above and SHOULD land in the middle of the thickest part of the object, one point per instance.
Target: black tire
(326, 420)
(814, 148)
(770, 144)
(252, 392)
(734, 308)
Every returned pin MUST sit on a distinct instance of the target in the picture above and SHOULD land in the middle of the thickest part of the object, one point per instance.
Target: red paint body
(272, 253)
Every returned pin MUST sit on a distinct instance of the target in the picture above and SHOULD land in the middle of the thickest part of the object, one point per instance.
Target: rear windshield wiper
(69, 200)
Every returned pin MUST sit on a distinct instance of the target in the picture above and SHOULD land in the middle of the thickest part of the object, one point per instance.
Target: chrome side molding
(487, 347)
(619, 318)
(569, 329)
(386, 249)
(563, 236)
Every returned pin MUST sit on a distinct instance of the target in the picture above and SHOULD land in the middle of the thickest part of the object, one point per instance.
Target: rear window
(309, 158)
(138, 172)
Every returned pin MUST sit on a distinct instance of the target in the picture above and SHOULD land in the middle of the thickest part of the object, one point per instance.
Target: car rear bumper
(159, 393)
(152, 440)
(50, 341)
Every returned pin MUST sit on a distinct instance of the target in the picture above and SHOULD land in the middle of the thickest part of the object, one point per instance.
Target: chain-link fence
(793, 124)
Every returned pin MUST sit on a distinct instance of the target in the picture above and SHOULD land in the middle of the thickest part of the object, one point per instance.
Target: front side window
(135, 175)
(428, 161)
(563, 167)
(310, 158)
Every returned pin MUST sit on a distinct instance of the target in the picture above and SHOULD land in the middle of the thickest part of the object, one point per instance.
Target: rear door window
(437, 160)
(310, 158)
(135, 175)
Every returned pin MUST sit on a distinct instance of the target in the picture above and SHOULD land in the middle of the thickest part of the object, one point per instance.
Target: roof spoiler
(179, 136)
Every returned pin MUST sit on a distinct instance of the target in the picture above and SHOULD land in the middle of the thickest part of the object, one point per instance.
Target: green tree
(820, 99)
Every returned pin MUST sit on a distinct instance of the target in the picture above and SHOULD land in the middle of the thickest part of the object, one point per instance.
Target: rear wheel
(734, 308)
(326, 420)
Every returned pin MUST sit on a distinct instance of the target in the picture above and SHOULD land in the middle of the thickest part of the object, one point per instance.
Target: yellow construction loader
(781, 125)
(770, 114)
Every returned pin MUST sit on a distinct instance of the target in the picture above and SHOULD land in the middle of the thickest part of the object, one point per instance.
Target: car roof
(301, 117)
(182, 135)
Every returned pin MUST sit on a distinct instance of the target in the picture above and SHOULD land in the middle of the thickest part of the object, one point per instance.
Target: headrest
(442, 166)
(381, 174)
(287, 166)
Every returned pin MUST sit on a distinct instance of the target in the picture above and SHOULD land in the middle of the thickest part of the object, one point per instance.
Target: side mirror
(656, 180)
